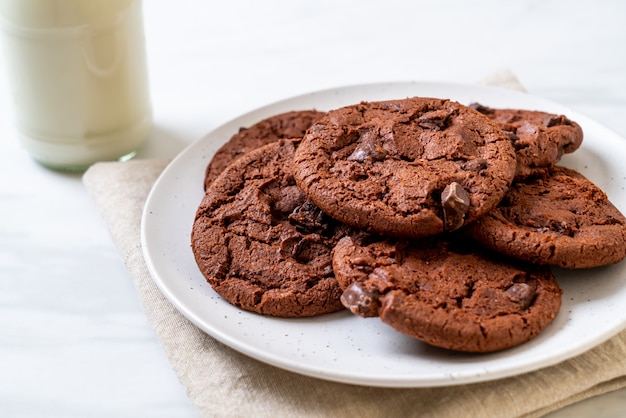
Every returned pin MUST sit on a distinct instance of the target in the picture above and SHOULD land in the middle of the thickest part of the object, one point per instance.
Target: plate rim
(272, 359)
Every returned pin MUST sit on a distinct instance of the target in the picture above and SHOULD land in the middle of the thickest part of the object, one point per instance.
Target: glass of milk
(78, 79)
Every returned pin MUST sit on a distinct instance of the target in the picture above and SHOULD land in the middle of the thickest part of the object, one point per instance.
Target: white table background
(74, 341)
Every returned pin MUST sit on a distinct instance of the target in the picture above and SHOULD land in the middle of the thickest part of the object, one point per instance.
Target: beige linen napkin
(224, 383)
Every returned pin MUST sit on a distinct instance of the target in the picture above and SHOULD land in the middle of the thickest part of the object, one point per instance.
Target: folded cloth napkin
(222, 382)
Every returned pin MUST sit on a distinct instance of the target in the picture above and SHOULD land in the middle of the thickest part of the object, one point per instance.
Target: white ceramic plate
(345, 348)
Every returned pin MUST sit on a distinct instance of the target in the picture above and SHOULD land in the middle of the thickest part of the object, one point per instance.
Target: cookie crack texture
(437, 120)
(446, 291)
(260, 244)
(558, 218)
(383, 166)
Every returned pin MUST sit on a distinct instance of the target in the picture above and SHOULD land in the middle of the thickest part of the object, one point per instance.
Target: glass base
(77, 154)
(78, 168)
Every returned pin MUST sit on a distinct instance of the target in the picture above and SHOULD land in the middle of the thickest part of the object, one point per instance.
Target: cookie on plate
(284, 125)
(442, 292)
(540, 138)
(411, 167)
(560, 219)
(261, 244)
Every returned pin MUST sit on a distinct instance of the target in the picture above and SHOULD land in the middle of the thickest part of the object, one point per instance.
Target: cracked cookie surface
(446, 294)
(286, 125)
(540, 138)
(560, 218)
(261, 244)
(413, 167)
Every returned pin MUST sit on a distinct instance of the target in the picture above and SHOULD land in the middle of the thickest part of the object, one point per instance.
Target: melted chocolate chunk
(368, 147)
(309, 218)
(361, 301)
(456, 203)
(481, 108)
(521, 293)
(436, 120)
(556, 120)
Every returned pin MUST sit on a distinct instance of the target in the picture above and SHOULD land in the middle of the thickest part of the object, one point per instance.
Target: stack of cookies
(441, 219)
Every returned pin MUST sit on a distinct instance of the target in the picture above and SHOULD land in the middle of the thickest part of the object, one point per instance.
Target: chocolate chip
(309, 218)
(359, 155)
(476, 165)
(361, 301)
(378, 153)
(563, 228)
(455, 202)
(511, 136)
(555, 120)
(435, 120)
(481, 108)
(308, 248)
(544, 224)
(368, 147)
(288, 244)
(527, 128)
(521, 293)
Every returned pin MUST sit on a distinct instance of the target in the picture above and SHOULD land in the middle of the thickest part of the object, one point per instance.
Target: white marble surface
(73, 339)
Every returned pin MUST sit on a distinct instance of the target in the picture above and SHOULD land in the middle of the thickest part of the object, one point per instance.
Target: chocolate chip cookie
(441, 291)
(261, 244)
(560, 218)
(285, 125)
(409, 168)
(540, 138)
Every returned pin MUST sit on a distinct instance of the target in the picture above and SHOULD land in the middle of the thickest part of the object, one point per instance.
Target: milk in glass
(78, 78)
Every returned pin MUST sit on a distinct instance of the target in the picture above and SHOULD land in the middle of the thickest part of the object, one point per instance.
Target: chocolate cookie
(540, 139)
(559, 219)
(285, 125)
(261, 244)
(411, 168)
(440, 291)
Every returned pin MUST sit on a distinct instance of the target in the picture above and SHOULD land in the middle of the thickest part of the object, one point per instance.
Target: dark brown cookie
(540, 138)
(261, 244)
(559, 219)
(443, 293)
(285, 125)
(412, 167)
